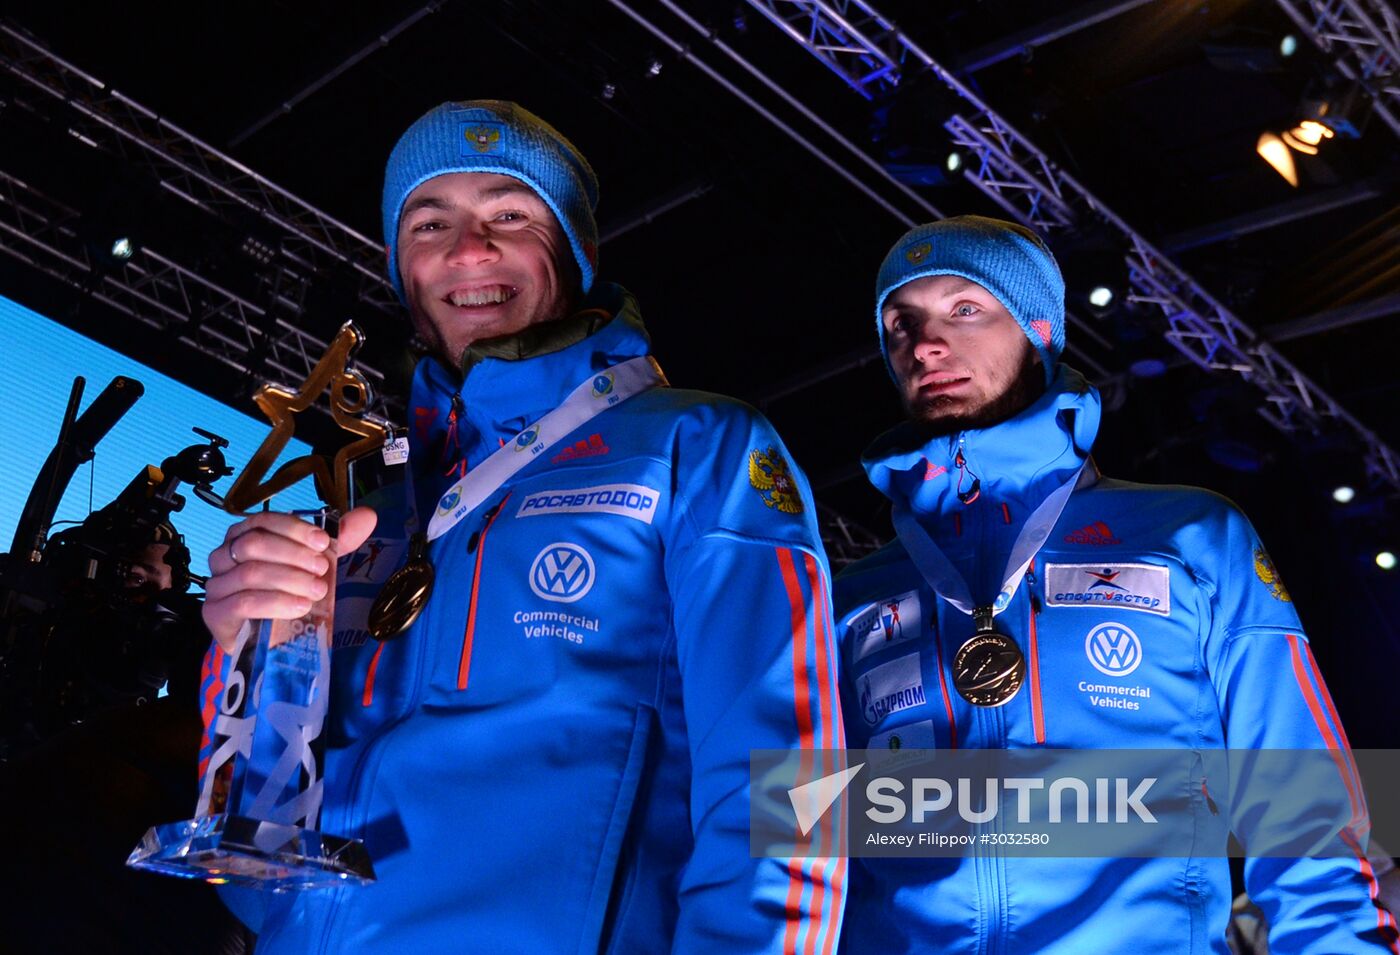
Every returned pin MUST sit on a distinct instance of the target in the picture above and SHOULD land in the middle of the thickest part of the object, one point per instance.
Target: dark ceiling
(754, 260)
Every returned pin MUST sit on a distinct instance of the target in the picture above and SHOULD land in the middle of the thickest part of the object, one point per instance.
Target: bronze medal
(989, 668)
(404, 594)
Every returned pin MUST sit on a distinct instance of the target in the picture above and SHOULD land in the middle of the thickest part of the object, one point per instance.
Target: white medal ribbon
(944, 578)
(618, 383)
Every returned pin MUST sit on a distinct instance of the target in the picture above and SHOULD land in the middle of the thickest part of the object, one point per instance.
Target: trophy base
(252, 852)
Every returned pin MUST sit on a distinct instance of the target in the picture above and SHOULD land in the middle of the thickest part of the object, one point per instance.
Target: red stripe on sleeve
(1332, 711)
(823, 642)
(1300, 672)
(802, 708)
(832, 738)
(1385, 922)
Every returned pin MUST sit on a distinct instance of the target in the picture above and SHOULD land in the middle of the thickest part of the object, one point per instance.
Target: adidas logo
(932, 471)
(1096, 533)
(591, 448)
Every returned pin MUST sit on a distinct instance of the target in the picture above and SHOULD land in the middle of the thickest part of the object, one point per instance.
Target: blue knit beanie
(485, 135)
(1005, 258)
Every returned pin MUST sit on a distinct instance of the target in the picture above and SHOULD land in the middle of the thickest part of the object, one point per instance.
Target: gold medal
(404, 594)
(989, 668)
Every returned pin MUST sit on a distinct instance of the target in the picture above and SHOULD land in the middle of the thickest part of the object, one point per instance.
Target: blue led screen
(39, 359)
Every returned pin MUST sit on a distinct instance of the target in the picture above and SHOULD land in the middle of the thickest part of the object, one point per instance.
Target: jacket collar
(499, 397)
(1019, 460)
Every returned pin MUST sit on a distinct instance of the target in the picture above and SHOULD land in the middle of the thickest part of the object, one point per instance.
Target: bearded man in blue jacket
(1136, 617)
(630, 595)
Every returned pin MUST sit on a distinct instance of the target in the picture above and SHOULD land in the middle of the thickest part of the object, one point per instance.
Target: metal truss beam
(1019, 177)
(165, 296)
(854, 41)
(1383, 307)
(1281, 213)
(194, 170)
(1025, 41)
(378, 43)
(1363, 39)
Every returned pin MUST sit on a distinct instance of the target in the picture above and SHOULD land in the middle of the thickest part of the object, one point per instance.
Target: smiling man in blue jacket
(1029, 602)
(630, 595)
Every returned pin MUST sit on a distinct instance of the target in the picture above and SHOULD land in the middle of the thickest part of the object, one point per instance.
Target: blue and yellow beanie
(1005, 258)
(485, 135)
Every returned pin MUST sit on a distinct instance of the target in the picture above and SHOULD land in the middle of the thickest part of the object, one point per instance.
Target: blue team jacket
(1216, 658)
(554, 758)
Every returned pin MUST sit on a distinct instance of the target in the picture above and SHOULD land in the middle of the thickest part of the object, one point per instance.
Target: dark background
(754, 262)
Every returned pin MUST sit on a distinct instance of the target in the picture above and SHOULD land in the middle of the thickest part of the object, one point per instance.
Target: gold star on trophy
(350, 395)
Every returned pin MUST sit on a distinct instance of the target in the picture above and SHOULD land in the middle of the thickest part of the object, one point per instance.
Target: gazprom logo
(562, 572)
(1113, 649)
(603, 384)
(449, 500)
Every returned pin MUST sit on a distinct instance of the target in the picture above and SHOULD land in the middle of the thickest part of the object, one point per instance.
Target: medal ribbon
(627, 379)
(944, 578)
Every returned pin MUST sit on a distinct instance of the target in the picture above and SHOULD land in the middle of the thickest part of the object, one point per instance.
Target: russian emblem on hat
(769, 475)
(481, 137)
(916, 254)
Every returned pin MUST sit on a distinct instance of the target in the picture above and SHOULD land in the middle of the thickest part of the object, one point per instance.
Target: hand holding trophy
(260, 778)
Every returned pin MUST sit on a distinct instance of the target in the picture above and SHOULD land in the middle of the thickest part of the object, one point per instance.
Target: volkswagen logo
(562, 572)
(1113, 649)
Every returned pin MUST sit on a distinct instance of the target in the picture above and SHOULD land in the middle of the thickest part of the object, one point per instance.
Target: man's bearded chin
(938, 416)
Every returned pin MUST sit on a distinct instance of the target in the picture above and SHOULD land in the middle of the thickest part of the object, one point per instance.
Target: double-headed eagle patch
(482, 138)
(916, 254)
(1266, 572)
(769, 475)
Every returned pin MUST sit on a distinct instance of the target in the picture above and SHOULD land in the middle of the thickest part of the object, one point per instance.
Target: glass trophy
(261, 782)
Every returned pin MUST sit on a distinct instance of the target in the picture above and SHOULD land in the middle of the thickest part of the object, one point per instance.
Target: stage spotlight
(1101, 296)
(609, 90)
(654, 67)
(954, 163)
(256, 249)
(1274, 151)
(1306, 136)
(1288, 46)
(1385, 560)
(122, 249)
(1343, 494)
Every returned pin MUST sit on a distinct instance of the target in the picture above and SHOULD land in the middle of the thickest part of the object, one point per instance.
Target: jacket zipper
(478, 541)
(1037, 711)
(453, 440)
